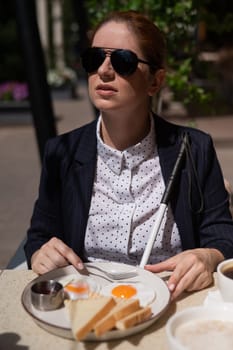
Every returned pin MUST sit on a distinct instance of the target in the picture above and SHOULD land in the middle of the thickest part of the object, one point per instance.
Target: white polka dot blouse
(127, 191)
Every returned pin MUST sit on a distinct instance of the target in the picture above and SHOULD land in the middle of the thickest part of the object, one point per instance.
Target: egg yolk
(124, 291)
(78, 288)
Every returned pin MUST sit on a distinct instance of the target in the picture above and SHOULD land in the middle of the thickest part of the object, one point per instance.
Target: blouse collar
(129, 158)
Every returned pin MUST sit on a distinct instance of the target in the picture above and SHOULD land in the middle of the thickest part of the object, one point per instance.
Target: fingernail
(80, 266)
(171, 287)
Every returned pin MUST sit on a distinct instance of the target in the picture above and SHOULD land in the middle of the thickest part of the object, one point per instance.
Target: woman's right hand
(53, 254)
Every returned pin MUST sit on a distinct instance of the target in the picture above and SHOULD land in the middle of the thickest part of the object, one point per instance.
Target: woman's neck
(122, 132)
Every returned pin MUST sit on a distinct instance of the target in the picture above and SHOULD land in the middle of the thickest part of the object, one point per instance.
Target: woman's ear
(156, 82)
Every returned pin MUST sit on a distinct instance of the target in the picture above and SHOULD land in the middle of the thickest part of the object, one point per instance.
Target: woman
(101, 185)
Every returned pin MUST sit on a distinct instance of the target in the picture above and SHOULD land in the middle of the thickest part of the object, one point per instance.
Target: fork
(115, 275)
(105, 277)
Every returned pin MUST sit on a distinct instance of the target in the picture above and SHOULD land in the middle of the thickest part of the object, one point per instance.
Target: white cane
(164, 203)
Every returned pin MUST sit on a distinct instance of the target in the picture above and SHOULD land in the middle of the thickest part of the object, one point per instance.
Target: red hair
(150, 39)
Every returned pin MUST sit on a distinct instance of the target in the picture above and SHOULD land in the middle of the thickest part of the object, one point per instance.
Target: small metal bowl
(47, 295)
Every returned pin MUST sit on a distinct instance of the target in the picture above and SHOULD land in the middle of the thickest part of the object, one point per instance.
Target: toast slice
(85, 313)
(123, 308)
(134, 318)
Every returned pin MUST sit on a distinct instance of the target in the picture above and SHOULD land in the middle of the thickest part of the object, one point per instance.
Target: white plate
(57, 321)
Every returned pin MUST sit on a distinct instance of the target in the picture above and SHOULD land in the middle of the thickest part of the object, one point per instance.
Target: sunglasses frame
(92, 66)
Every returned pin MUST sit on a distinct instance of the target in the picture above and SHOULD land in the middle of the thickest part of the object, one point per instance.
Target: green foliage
(179, 82)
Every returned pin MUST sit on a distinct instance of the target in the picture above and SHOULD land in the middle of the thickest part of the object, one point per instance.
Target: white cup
(199, 326)
(225, 279)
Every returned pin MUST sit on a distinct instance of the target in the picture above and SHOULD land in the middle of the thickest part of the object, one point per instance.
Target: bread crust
(103, 313)
(85, 313)
(121, 309)
(134, 318)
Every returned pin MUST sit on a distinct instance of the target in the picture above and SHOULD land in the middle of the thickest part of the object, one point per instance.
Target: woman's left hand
(191, 270)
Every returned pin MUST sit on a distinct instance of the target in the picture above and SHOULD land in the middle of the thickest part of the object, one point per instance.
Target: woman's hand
(54, 254)
(191, 270)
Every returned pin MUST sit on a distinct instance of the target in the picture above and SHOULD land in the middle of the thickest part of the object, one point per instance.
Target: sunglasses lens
(124, 62)
(92, 59)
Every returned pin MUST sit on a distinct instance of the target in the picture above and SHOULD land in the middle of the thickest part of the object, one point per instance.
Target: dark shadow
(18, 258)
(8, 341)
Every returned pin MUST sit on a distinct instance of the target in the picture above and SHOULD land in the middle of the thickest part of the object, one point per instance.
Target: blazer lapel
(169, 139)
(168, 143)
(84, 171)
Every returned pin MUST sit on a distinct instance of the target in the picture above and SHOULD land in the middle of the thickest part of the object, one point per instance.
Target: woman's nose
(106, 69)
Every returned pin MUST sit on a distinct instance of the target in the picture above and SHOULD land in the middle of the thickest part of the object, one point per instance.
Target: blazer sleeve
(46, 218)
(62, 207)
(215, 221)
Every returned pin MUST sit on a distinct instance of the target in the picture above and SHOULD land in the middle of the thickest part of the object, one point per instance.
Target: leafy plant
(13, 91)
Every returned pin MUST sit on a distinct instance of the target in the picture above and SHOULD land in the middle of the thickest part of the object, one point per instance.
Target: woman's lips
(106, 90)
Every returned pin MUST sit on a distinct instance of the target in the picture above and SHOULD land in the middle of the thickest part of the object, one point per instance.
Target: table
(19, 331)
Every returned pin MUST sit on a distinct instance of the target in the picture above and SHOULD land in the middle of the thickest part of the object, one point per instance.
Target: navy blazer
(67, 177)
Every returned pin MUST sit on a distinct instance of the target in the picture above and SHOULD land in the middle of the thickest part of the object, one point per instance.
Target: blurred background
(43, 90)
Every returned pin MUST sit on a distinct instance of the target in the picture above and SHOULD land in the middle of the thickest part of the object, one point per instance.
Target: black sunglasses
(124, 62)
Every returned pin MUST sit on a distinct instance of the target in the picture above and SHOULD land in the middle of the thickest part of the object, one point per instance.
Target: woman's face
(109, 91)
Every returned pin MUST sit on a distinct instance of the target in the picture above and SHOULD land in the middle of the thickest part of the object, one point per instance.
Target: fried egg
(145, 294)
(77, 290)
(76, 287)
(124, 291)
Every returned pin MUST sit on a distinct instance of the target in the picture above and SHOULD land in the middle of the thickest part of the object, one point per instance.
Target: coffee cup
(225, 279)
(201, 327)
